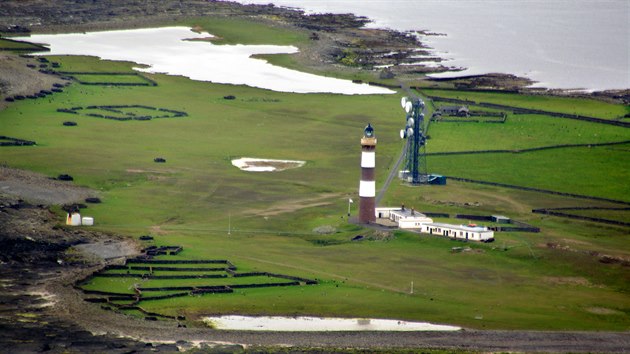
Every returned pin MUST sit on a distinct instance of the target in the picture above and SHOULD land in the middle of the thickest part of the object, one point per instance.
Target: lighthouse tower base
(367, 207)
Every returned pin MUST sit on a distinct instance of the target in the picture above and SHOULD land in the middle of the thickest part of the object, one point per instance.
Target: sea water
(570, 44)
(180, 51)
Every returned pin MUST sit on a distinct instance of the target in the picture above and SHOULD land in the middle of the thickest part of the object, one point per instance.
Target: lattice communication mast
(415, 168)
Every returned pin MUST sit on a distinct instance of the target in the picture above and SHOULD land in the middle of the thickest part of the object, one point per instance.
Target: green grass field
(125, 285)
(16, 45)
(570, 170)
(90, 64)
(240, 31)
(619, 215)
(197, 196)
(580, 106)
(111, 79)
(519, 132)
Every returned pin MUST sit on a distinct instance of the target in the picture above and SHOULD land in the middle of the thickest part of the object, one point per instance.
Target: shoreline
(518, 41)
(388, 55)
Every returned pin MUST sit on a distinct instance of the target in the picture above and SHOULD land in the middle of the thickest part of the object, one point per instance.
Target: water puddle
(318, 324)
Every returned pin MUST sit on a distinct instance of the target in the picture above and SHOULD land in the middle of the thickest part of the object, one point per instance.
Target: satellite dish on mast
(403, 102)
(413, 132)
(408, 107)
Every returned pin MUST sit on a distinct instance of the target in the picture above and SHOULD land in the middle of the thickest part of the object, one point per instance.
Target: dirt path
(293, 205)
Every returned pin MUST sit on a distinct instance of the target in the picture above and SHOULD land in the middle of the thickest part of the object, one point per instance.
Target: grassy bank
(197, 196)
(567, 105)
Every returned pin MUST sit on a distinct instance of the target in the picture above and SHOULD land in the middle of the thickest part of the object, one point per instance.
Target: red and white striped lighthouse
(367, 186)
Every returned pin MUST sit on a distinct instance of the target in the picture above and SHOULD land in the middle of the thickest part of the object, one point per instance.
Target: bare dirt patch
(39, 189)
(603, 311)
(108, 249)
(18, 79)
(293, 205)
(577, 242)
(575, 281)
(157, 230)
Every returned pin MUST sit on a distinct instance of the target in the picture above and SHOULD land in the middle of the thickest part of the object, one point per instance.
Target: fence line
(521, 110)
(580, 217)
(539, 190)
(519, 151)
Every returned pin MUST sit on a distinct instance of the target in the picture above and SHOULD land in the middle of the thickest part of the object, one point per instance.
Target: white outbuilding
(404, 217)
(470, 232)
(73, 219)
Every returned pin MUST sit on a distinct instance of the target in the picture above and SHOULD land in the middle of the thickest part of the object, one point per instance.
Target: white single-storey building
(73, 219)
(410, 219)
(470, 232)
(405, 218)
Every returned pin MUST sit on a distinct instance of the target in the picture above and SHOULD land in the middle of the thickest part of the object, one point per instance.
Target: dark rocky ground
(33, 256)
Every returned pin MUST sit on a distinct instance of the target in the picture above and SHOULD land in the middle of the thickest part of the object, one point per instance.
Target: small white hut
(73, 219)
